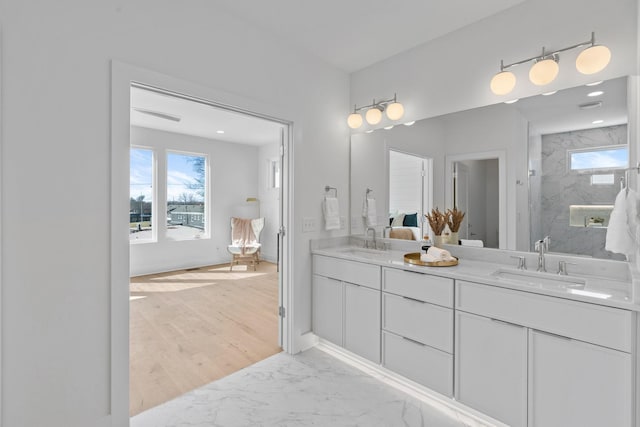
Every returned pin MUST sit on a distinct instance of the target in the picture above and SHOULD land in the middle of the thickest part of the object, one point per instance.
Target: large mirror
(549, 165)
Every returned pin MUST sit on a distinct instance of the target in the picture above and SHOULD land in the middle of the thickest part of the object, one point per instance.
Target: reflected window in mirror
(409, 194)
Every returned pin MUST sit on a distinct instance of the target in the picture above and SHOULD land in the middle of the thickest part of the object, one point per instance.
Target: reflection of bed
(406, 233)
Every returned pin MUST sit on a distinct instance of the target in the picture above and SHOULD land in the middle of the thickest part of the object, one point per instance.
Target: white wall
(56, 284)
(234, 177)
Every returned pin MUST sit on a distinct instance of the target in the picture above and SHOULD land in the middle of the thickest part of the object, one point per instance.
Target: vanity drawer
(605, 326)
(358, 273)
(420, 321)
(418, 362)
(424, 287)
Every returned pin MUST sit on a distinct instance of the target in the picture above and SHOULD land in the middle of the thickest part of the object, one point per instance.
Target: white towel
(440, 254)
(369, 212)
(623, 223)
(476, 243)
(331, 211)
(428, 258)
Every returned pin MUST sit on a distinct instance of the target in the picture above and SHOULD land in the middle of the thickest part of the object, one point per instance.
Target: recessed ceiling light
(596, 93)
(597, 122)
(513, 101)
(220, 131)
(594, 83)
(410, 123)
(388, 127)
(549, 93)
(368, 131)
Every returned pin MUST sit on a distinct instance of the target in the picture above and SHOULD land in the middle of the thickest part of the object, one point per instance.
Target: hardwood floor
(191, 327)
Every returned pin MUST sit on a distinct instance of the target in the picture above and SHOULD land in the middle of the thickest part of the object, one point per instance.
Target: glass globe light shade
(593, 59)
(373, 116)
(395, 111)
(354, 120)
(503, 83)
(543, 72)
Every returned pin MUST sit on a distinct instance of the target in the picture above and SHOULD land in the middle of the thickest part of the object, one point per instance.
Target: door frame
(122, 76)
(501, 155)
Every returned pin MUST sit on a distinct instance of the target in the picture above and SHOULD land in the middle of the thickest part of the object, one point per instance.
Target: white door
(491, 367)
(573, 383)
(362, 321)
(461, 200)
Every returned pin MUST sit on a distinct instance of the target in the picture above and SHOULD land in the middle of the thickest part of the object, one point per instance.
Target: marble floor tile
(309, 389)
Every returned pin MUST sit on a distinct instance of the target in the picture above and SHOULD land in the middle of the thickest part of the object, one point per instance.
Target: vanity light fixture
(545, 68)
(391, 107)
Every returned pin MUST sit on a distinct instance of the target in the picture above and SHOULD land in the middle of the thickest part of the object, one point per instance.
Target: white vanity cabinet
(537, 360)
(417, 327)
(346, 305)
(573, 383)
(491, 367)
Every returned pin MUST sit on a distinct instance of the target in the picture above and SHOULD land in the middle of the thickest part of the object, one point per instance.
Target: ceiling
(199, 119)
(560, 112)
(353, 34)
(350, 35)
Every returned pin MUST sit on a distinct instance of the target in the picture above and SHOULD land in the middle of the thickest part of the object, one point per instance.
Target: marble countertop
(607, 291)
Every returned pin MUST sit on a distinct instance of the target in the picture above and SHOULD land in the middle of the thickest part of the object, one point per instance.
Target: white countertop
(605, 291)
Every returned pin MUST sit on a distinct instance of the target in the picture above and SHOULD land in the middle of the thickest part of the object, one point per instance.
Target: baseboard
(445, 404)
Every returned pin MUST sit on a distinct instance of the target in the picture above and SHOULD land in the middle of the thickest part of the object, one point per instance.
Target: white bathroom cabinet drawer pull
(414, 341)
(358, 273)
(420, 286)
(596, 324)
(422, 322)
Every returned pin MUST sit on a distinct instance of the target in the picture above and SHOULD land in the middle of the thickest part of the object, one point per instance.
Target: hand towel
(476, 243)
(440, 254)
(369, 212)
(428, 258)
(622, 224)
(331, 211)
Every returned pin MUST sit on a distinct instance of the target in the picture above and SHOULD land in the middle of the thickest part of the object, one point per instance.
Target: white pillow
(397, 221)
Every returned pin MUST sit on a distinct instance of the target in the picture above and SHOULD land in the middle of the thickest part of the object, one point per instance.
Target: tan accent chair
(249, 250)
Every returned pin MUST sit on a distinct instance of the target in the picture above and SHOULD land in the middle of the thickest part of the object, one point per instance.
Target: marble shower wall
(561, 188)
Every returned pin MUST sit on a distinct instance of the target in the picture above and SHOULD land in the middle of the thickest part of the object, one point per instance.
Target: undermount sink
(363, 252)
(539, 279)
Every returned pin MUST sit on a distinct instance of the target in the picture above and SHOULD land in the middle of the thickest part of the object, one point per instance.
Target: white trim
(448, 406)
(1, 198)
(122, 76)
(501, 155)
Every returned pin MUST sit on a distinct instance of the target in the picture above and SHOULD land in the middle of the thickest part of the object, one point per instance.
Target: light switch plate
(308, 224)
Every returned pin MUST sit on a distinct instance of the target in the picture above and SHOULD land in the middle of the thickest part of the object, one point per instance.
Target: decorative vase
(437, 241)
(453, 238)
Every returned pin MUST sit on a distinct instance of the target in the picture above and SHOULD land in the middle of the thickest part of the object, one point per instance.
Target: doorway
(196, 171)
(211, 223)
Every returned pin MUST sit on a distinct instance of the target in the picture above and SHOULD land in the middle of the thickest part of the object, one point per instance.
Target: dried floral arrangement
(454, 219)
(437, 220)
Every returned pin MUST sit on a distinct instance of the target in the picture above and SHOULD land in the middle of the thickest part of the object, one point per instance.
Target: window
(611, 157)
(186, 195)
(141, 194)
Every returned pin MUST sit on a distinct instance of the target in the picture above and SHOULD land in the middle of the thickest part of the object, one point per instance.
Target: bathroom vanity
(524, 348)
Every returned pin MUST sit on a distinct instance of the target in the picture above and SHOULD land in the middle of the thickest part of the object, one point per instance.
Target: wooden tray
(414, 258)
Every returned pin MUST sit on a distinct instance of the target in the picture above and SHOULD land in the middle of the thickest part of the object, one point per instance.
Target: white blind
(405, 183)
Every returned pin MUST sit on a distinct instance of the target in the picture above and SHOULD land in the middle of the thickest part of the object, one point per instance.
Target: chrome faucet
(542, 246)
(366, 240)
